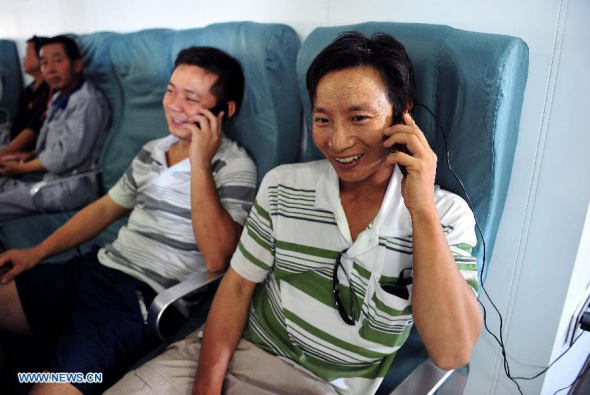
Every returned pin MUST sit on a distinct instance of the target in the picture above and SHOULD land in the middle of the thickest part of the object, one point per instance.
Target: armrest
(425, 379)
(174, 295)
(38, 187)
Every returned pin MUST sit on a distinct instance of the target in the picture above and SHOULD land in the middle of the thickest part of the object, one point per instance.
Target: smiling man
(188, 196)
(320, 289)
(69, 141)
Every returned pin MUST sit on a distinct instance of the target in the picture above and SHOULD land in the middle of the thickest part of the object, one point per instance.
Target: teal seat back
(474, 83)
(133, 70)
(11, 80)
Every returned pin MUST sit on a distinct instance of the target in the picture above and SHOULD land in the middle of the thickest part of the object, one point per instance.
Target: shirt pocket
(385, 319)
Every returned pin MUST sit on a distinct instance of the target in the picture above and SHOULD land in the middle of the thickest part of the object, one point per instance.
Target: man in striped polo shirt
(188, 196)
(319, 296)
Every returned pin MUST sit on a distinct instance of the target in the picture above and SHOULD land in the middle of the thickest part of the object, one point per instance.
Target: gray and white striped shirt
(157, 245)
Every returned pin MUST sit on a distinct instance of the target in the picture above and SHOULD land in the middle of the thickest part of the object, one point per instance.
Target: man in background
(32, 106)
(69, 141)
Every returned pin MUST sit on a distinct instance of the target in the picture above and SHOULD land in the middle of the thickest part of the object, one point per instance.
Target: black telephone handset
(215, 110)
(400, 147)
(219, 107)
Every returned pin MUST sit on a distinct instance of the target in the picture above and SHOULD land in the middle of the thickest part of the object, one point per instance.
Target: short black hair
(37, 42)
(70, 46)
(382, 52)
(230, 82)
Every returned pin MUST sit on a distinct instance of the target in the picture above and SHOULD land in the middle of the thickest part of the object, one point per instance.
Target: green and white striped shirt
(293, 236)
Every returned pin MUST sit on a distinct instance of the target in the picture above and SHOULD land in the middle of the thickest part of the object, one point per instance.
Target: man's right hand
(14, 262)
(206, 139)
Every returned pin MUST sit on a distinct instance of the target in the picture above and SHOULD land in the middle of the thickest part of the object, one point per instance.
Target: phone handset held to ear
(400, 147)
(389, 198)
(215, 110)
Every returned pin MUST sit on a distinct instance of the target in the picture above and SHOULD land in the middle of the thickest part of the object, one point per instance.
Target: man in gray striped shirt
(188, 196)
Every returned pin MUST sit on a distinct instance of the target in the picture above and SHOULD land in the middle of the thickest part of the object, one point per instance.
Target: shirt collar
(61, 101)
(393, 218)
(162, 147)
(328, 189)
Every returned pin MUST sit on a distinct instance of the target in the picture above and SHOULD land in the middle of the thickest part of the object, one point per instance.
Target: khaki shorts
(250, 371)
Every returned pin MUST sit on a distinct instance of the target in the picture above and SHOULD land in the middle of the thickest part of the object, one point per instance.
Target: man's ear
(231, 108)
(78, 66)
(409, 106)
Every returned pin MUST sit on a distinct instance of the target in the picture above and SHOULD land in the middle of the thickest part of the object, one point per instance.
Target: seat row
(473, 83)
